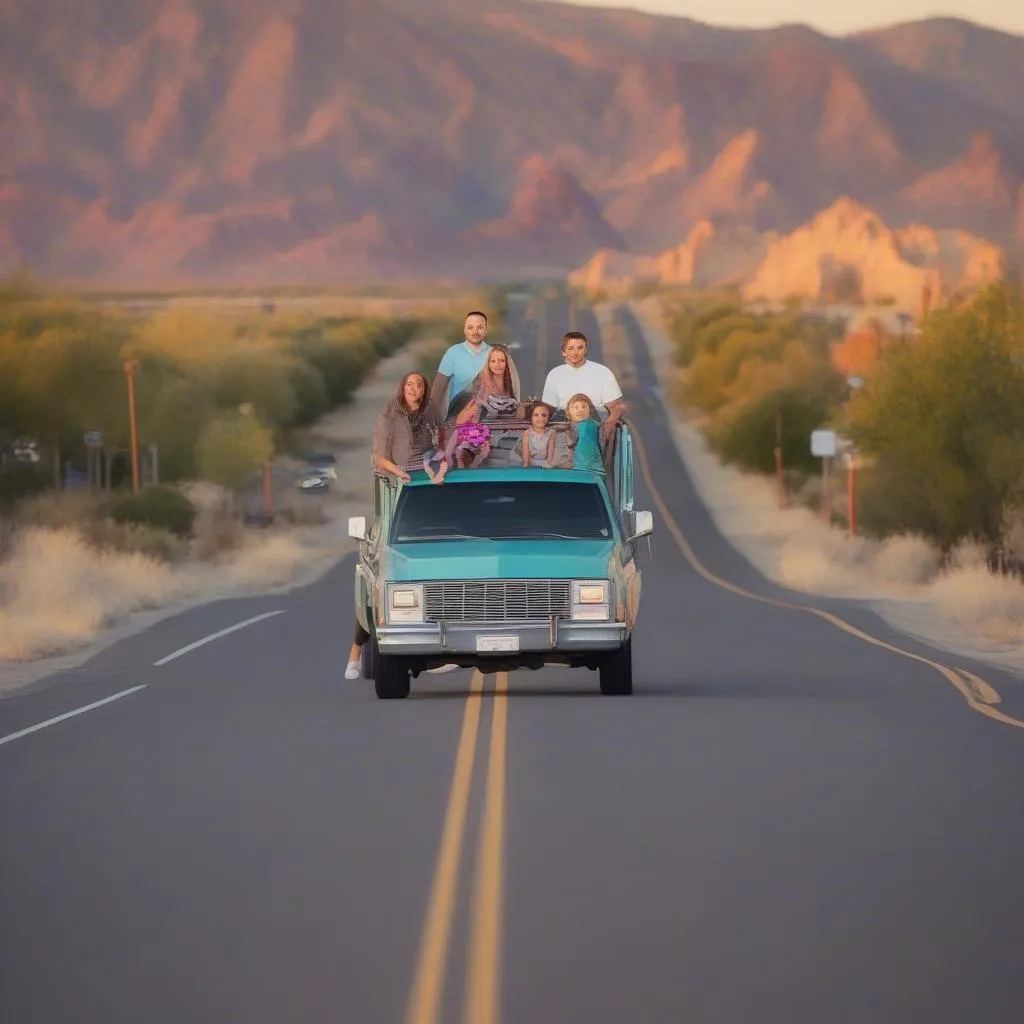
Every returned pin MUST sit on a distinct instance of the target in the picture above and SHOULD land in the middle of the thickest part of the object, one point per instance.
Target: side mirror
(643, 525)
(357, 527)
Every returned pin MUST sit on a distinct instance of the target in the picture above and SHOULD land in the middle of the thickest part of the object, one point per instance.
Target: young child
(538, 439)
(469, 436)
(584, 442)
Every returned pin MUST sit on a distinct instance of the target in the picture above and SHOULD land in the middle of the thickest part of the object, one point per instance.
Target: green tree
(261, 378)
(746, 437)
(72, 379)
(943, 418)
(231, 448)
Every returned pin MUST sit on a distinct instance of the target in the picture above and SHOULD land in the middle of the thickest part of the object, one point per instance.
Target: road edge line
(965, 689)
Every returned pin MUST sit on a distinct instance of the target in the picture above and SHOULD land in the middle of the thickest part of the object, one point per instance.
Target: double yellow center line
(483, 979)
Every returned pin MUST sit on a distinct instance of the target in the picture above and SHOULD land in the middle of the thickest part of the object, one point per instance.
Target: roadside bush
(135, 538)
(942, 417)
(746, 437)
(62, 373)
(261, 380)
(232, 448)
(21, 481)
(56, 510)
(157, 506)
(741, 369)
(216, 533)
(310, 391)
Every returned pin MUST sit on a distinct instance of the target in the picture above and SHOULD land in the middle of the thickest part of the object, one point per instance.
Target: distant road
(800, 816)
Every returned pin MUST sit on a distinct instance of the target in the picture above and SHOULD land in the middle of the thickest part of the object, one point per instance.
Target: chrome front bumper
(554, 636)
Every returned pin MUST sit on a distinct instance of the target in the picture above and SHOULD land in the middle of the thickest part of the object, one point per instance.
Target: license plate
(497, 643)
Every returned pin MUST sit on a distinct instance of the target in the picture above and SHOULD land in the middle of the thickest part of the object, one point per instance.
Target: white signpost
(824, 444)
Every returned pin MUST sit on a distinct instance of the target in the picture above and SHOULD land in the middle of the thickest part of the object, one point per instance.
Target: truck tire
(392, 680)
(616, 671)
(370, 658)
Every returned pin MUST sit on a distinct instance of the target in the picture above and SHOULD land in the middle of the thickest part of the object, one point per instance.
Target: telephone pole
(131, 367)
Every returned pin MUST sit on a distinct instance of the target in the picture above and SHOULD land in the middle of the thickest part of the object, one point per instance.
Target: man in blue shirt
(460, 365)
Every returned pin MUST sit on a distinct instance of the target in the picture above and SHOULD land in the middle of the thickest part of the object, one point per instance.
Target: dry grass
(84, 512)
(795, 546)
(63, 584)
(59, 591)
(70, 573)
(56, 509)
(215, 533)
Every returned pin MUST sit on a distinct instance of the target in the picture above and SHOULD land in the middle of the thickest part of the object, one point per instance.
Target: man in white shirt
(580, 375)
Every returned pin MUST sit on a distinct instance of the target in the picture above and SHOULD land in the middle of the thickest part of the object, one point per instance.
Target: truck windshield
(492, 510)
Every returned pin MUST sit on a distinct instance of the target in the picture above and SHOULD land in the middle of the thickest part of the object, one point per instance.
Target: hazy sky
(1007, 15)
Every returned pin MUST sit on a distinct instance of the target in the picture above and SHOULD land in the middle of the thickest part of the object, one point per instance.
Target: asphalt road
(799, 816)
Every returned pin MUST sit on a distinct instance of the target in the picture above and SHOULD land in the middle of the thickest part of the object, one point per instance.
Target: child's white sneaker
(352, 670)
(441, 669)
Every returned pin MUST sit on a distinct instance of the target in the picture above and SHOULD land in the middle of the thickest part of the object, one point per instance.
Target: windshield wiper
(545, 535)
(439, 536)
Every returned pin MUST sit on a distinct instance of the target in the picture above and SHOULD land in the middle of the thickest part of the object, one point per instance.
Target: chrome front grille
(496, 600)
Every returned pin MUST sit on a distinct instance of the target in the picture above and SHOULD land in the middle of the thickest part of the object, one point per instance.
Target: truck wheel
(392, 680)
(370, 658)
(616, 671)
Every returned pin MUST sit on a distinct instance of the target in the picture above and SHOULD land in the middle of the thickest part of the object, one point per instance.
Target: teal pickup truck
(502, 567)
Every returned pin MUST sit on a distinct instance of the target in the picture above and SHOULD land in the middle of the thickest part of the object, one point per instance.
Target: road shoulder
(746, 515)
(295, 558)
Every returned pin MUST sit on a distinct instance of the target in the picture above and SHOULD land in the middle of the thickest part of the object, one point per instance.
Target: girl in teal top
(585, 445)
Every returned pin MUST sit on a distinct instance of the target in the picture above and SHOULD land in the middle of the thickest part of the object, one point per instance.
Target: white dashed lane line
(216, 636)
(68, 714)
(135, 689)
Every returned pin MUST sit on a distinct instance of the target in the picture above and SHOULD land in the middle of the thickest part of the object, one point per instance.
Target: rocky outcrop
(848, 254)
(711, 256)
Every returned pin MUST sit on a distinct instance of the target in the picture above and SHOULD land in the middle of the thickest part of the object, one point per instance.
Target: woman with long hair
(404, 433)
(497, 389)
(497, 379)
(406, 428)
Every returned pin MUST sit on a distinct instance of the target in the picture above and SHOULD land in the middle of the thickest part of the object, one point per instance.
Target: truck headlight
(405, 602)
(590, 599)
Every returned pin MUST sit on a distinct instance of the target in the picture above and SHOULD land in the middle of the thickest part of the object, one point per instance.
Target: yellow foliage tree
(231, 449)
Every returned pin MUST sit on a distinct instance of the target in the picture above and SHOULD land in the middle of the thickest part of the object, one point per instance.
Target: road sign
(93, 438)
(823, 444)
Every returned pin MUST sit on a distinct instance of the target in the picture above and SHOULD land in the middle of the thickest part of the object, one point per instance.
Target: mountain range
(159, 141)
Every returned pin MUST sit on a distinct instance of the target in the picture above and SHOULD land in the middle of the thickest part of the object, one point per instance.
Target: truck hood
(498, 559)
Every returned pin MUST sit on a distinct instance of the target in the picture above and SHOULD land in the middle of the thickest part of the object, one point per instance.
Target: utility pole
(783, 497)
(268, 491)
(851, 492)
(131, 367)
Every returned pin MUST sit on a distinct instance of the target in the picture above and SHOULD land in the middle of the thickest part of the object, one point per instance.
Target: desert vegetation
(219, 396)
(752, 377)
(935, 418)
(200, 376)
